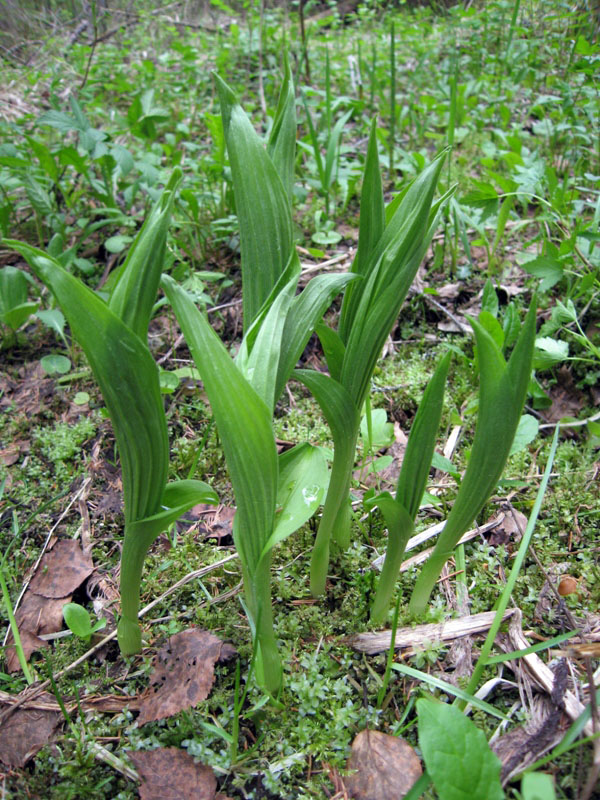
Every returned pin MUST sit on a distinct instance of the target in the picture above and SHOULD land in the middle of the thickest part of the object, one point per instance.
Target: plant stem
(132, 563)
(14, 628)
(269, 670)
(335, 520)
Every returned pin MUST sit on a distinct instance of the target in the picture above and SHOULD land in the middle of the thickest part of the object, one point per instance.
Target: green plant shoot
(502, 392)
(400, 512)
(387, 259)
(113, 337)
(275, 495)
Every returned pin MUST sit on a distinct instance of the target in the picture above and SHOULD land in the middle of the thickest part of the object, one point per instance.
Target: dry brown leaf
(183, 675)
(214, 523)
(62, 570)
(172, 774)
(24, 733)
(11, 454)
(509, 530)
(386, 767)
(35, 617)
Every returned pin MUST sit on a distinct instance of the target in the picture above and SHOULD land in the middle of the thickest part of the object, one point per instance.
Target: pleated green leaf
(502, 392)
(244, 423)
(262, 205)
(282, 137)
(128, 380)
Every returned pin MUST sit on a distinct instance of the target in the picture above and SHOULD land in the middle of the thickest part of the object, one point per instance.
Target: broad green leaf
(38, 196)
(54, 319)
(45, 158)
(303, 478)
(537, 786)
(18, 315)
(444, 464)
(58, 119)
(55, 364)
(456, 754)
(547, 268)
(117, 243)
(489, 299)
(382, 431)
(244, 424)
(262, 205)
(526, 432)
(549, 352)
(511, 326)
(78, 620)
(128, 380)
(15, 309)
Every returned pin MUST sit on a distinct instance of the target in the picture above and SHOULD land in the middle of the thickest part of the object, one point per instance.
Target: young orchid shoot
(113, 337)
(502, 392)
(275, 494)
(400, 512)
(387, 259)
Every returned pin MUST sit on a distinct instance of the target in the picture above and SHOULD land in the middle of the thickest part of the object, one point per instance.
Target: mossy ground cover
(518, 98)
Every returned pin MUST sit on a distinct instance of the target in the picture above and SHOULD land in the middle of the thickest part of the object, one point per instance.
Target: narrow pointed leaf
(262, 205)
(263, 362)
(400, 513)
(370, 230)
(306, 311)
(421, 442)
(333, 348)
(333, 144)
(134, 294)
(282, 138)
